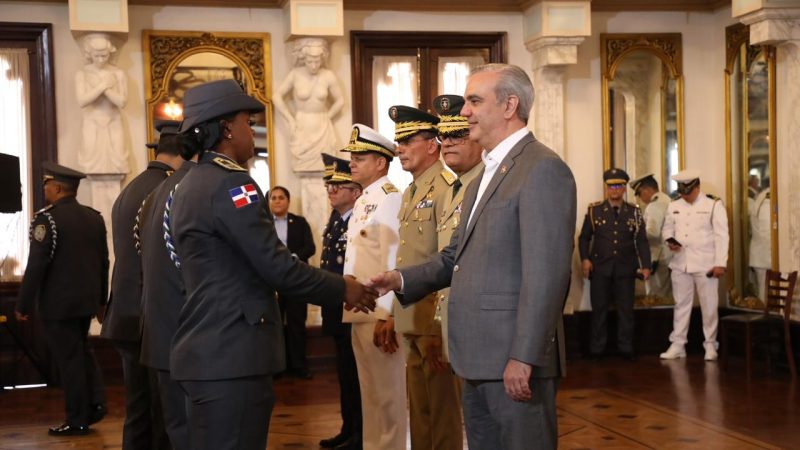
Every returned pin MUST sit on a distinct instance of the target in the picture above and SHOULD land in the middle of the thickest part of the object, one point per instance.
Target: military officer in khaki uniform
(432, 386)
(372, 242)
(463, 157)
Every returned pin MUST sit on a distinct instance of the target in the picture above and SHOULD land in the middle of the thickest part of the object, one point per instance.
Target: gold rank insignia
(448, 176)
(228, 164)
(389, 188)
(39, 231)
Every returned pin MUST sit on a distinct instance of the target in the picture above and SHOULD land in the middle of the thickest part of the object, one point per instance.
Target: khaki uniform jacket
(418, 241)
(447, 224)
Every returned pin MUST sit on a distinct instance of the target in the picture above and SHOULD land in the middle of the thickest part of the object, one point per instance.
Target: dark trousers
(495, 422)
(229, 414)
(80, 378)
(349, 390)
(294, 315)
(605, 289)
(144, 425)
(173, 406)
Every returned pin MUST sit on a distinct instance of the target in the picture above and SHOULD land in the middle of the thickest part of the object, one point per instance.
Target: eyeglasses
(334, 188)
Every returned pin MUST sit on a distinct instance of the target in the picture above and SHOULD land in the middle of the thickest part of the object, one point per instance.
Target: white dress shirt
(492, 160)
(281, 227)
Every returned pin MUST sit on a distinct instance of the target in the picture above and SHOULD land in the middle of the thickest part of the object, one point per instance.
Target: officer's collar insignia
(226, 163)
(448, 176)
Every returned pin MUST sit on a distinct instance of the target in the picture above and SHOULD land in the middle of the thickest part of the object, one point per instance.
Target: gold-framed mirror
(751, 169)
(177, 60)
(642, 94)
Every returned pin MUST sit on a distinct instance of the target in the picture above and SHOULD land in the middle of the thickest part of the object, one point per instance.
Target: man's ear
(512, 104)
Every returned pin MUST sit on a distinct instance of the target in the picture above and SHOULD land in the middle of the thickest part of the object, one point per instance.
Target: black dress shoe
(354, 443)
(303, 374)
(97, 413)
(334, 441)
(68, 430)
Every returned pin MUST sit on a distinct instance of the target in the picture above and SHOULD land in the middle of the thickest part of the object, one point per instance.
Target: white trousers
(382, 378)
(683, 286)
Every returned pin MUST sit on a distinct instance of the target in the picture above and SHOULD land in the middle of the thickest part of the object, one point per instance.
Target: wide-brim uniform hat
(165, 128)
(615, 176)
(687, 180)
(409, 121)
(215, 99)
(637, 183)
(55, 172)
(451, 123)
(337, 170)
(364, 139)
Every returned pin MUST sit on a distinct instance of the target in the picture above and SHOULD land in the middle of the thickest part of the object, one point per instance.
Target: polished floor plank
(613, 404)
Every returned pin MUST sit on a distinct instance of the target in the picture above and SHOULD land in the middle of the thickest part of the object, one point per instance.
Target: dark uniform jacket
(299, 238)
(232, 262)
(616, 244)
(122, 321)
(68, 262)
(334, 245)
(163, 293)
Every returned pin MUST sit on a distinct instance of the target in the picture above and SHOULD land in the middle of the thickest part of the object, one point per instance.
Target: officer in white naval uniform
(760, 241)
(696, 231)
(372, 242)
(656, 203)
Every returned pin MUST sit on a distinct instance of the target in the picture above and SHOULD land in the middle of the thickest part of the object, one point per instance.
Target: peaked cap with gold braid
(337, 170)
(409, 121)
(448, 107)
(364, 139)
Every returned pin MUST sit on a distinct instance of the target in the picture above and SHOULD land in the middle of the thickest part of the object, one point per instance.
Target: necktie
(456, 187)
(616, 210)
(413, 188)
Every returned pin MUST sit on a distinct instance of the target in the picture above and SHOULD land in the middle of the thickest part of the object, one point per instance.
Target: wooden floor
(682, 404)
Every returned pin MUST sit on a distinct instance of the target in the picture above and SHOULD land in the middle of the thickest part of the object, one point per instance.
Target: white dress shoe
(674, 352)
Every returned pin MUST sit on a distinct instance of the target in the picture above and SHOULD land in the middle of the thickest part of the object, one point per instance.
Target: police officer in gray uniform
(163, 296)
(143, 428)
(67, 276)
(613, 249)
(229, 339)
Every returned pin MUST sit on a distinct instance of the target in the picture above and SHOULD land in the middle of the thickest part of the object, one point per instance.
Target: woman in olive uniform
(229, 339)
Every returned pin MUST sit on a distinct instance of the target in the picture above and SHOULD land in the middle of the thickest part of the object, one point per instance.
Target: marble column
(781, 27)
(550, 56)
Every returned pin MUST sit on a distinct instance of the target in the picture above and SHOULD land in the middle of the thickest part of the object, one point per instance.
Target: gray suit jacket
(509, 270)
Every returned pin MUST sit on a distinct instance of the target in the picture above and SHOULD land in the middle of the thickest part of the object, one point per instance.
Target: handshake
(361, 297)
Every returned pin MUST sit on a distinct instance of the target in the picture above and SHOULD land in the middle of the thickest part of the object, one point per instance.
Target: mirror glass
(176, 61)
(642, 115)
(750, 101)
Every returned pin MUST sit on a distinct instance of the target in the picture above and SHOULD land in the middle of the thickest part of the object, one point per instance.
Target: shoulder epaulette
(712, 196)
(448, 176)
(389, 188)
(592, 205)
(42, 210)
(633, 205)
(228, 164)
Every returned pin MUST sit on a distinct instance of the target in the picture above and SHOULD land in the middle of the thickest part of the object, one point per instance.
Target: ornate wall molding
(666, 46)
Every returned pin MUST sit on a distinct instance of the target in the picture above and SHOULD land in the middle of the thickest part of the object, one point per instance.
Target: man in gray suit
(508, 265)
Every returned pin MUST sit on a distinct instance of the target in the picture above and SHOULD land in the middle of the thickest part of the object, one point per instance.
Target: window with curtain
(15, 129)
(398, 68)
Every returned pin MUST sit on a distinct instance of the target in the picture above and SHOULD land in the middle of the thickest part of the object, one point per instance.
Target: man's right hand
(386, 282)
(358, 296)
(587, 268)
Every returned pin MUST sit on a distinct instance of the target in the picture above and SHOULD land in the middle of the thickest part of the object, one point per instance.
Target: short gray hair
(512, 81)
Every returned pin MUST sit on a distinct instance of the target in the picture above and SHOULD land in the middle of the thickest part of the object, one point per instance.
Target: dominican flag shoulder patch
(243, 195)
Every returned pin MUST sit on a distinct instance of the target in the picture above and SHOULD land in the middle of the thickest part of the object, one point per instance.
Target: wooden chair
(776, 312)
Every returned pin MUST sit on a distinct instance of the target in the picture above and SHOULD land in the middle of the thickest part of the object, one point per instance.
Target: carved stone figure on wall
(313, 87)
(101, 90)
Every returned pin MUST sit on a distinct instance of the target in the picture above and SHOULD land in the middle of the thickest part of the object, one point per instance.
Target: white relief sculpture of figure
(101, 89)
(313, 87)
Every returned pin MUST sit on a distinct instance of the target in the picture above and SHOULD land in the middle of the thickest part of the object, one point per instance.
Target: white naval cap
(686, 176)
(365, 139)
